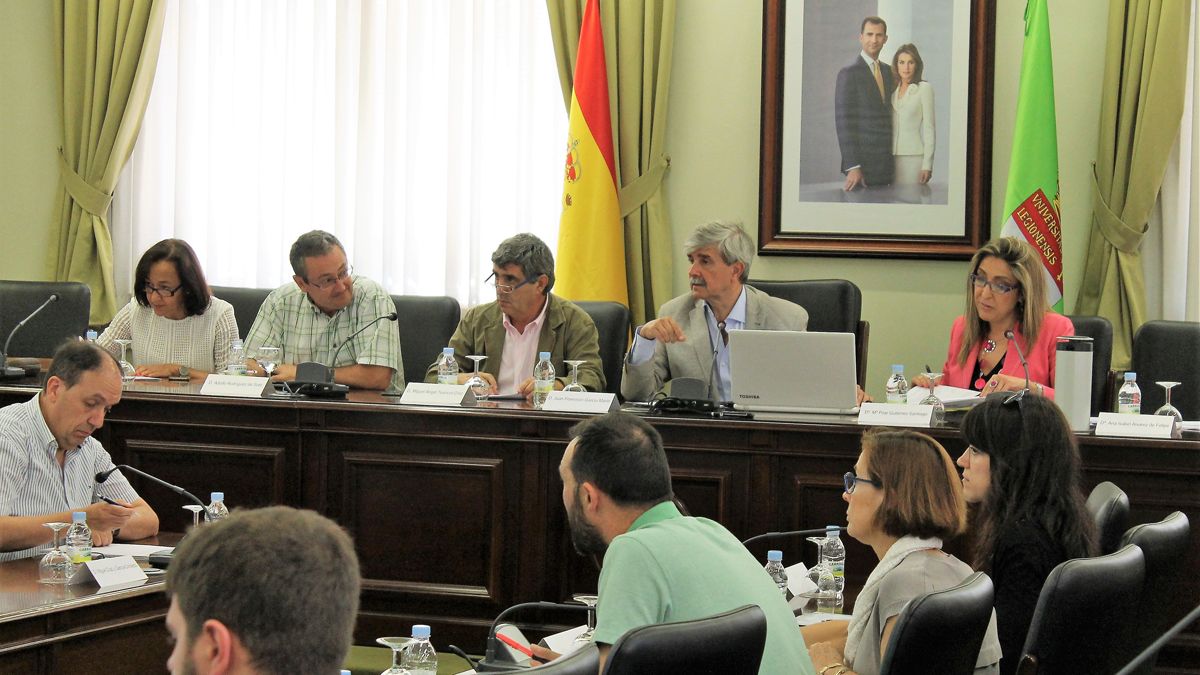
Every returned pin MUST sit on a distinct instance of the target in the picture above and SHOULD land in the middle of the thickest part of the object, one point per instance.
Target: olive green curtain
(1140, 111)
(105, 51)
(638, 40)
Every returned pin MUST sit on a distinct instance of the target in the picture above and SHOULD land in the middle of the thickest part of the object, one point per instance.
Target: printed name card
(241, 386)
(443, 395)
(1135, 426)
(593, 402)
(110, 574)
(895, 415)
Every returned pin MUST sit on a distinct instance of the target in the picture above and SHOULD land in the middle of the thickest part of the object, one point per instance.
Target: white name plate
(444, 395)
(110, 574)
(241, 386)
(895, 415)
(1134, 426)
(594, 402)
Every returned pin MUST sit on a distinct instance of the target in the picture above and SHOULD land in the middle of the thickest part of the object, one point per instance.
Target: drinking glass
(397, 645)
(126, 367)
(815, 572)
(1168, 409)
(195, 509)
(939, 408)
(478, 385)
(589, 600)
(268, 357)
(575, 386)
(56, 566)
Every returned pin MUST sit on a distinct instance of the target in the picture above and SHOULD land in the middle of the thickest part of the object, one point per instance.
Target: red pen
(514, 644)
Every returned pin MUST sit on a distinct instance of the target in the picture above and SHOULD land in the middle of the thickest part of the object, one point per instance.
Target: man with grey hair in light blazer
(681, 342)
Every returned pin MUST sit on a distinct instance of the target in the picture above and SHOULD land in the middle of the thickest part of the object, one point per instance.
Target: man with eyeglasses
(526, 318)
(311, 318)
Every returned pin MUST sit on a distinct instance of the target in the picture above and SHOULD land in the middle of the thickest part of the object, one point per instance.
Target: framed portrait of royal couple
(876, 127)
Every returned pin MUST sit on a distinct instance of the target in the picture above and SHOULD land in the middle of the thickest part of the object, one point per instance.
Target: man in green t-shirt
(659, 565)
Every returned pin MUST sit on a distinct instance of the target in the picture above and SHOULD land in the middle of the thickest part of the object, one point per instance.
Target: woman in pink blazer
(1007, 292)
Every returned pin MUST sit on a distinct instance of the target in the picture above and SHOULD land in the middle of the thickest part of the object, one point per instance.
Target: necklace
(989, 346)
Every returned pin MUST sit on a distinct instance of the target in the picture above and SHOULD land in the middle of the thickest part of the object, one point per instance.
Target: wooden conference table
(457, 513)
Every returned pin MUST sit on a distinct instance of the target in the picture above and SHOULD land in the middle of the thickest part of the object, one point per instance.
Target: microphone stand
(791, 533)
(7, 371)
(1011, 337)
(495, 660)
(103, 476)
(390, 317)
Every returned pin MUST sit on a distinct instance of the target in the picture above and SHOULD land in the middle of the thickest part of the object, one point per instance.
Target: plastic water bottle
(91, 335)
(1129, 398)
(827, 593)
(778, 573)
(216, 510)
(79, 538)
(543, 379)
(897, 386)
(237, 359)
(419, 656)
(835, 556)
(447, 367)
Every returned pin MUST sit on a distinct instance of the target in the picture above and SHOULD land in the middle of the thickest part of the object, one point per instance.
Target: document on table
(952, 397)
(134, 550)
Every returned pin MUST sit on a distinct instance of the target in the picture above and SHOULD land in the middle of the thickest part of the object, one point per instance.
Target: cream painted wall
(30, 123)
(713, 137)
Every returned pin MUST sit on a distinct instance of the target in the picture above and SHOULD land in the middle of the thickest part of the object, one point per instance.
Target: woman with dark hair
(1006, 290)
(1021, 478)
(912, 118)
(904, 498)
(177, 327)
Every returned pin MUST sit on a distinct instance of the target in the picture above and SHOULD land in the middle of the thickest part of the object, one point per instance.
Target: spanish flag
(591, 236)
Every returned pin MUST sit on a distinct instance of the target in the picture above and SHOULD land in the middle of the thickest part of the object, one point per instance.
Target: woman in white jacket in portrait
(912, 118)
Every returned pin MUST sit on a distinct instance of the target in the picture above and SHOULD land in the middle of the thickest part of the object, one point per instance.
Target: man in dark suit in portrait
(862, 105)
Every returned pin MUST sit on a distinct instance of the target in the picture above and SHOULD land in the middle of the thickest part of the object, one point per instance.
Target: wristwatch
(184, 372)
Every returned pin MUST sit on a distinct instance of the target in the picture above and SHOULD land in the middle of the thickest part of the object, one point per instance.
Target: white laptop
(793, 372)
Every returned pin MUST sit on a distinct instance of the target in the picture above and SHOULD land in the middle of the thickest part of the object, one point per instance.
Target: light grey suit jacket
(694, 356)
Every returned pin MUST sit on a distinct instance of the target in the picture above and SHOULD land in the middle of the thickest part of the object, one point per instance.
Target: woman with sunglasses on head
(177, 327)
(1021, 478)
(1006, 292)
(904, 498)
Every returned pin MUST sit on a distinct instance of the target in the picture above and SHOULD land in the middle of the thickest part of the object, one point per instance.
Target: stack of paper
(952, 397)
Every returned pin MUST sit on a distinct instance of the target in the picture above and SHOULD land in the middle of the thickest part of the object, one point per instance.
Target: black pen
(109, 501)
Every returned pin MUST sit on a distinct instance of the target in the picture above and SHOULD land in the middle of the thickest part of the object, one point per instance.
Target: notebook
(793, 371)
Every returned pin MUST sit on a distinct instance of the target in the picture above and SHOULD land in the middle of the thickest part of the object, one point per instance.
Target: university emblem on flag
(1037, 219)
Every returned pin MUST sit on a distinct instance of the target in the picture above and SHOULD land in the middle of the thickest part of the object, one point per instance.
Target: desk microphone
(103, 476)
(12, 371)
(327, 371)
(792, 533)
(1008, 334)
(496, 659)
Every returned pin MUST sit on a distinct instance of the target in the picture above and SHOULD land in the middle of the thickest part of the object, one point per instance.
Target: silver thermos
(1073, 379)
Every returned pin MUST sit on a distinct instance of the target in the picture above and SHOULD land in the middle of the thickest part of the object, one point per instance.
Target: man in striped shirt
(312, 319)
(49, 460)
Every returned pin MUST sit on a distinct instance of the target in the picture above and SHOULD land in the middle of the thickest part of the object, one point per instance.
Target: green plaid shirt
(290, 321)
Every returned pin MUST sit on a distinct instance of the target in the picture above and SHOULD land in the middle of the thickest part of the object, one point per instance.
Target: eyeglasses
(161, 292)
(329, 280)
(851, 481)
(505, 289)
(981, 281)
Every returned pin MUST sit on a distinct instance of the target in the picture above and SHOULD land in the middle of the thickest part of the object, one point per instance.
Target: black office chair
(1169, 350)
(1109, 507)
(245, 301)
(61, 320)
(1100, 330)
(1083, 615)
(730, 643)
(918, 643)
(833, 306)
(1164, 544)
(612, 325)
(582, 661)
(426, 324)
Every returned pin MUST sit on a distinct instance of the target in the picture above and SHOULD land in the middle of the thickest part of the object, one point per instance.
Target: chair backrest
(245, 301)
(426, 324)
(612, 324)
(582, 661)
(1169, 350)
(1084, 615)
(730, 643)
(1109, 507)
(64, 318)
(918, 643)
(1100, 330)
(1164, 544)
(833, 306)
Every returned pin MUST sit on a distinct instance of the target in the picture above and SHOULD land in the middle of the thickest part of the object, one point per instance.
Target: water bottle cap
(78, 517)
(92, 335)
(1130, 376)
(774, 556)
(543, 356)
(448, 351)
(217, 496)
(897, 368)
(420, 631)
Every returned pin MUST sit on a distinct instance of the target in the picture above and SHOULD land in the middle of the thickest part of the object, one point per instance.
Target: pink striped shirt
(520, 353)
